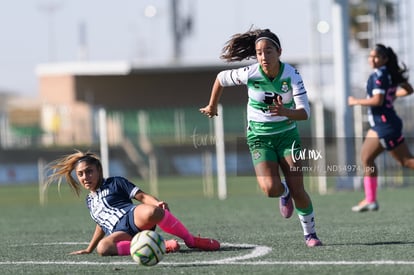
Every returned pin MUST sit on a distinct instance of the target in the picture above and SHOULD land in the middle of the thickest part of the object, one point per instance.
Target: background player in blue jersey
(386, 82)
(276, 100)
(110, 205)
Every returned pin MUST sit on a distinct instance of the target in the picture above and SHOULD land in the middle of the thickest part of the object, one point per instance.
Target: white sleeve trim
(378, 91)
(134, 192)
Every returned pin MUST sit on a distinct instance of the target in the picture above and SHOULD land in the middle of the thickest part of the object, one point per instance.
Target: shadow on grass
(372, 243)
(222, 249)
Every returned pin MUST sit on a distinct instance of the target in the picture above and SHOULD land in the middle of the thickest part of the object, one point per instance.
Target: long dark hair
(398, 74)
(243, 45)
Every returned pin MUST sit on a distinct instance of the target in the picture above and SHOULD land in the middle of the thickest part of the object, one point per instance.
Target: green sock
(305, 211)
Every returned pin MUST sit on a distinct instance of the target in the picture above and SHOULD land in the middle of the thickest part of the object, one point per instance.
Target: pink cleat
(205, 244)
(312, 240)
(286, 206)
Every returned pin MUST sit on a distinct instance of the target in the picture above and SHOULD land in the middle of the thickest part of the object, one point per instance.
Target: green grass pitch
(255, 239)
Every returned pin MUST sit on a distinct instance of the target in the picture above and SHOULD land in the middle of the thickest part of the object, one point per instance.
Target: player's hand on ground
(209, 111)
(79, 252)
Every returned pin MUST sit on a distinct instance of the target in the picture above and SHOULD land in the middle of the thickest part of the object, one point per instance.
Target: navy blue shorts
(390, 142)
(390, 133)
(126, 224)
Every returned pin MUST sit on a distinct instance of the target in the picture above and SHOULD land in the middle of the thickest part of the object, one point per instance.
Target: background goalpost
(220, 154)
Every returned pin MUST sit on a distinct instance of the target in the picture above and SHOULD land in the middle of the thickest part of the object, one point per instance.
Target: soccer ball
(147, 248)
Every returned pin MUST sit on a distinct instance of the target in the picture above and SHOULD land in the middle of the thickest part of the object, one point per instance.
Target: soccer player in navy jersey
(110, 205)
(277, 98)
(386, 82)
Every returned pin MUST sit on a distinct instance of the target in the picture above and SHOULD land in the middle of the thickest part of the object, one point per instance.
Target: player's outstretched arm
(211, 109)
(149, 199)
(97, 236)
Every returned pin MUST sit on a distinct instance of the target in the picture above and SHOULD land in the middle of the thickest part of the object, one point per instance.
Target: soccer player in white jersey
(110, 205)
(277, 99)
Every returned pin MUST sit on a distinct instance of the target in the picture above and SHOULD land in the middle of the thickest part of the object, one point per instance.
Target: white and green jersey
(261, 90)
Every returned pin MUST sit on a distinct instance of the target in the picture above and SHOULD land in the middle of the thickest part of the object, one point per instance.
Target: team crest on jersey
(256, 155)
(285, 87)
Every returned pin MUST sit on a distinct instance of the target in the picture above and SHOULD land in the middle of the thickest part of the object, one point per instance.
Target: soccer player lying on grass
(110, 205)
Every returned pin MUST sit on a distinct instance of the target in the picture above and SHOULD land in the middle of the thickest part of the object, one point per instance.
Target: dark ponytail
(243, 45)
(398, 74)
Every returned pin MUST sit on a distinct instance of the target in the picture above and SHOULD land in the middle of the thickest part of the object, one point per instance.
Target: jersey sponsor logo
(269, 97)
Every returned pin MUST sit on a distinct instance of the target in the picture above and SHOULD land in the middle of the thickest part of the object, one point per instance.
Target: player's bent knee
(271, 191)
(149, 213)
(105, 249)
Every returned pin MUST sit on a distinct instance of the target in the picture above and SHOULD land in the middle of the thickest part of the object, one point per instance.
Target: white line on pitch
(336, 263)
(257, 251)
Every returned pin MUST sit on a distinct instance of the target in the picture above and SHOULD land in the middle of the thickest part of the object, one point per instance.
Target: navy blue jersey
(380, 82)
(111, 202)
